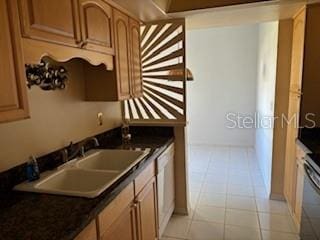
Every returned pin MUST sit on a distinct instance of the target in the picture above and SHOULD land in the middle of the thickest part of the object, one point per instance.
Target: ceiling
(145, 10)
(241, 14)
(183, 5)
(214, 13)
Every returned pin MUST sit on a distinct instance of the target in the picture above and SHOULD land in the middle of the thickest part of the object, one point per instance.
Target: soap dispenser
(33, 172)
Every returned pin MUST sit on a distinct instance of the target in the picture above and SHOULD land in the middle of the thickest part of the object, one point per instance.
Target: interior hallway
(229, 200)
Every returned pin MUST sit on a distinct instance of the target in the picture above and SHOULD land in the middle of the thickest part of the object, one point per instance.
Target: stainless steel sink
(111, 160)
(88, 176)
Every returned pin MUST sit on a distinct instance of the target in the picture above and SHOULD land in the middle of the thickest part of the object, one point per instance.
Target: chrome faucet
(95, 141)
(78, 150)
(64, 155)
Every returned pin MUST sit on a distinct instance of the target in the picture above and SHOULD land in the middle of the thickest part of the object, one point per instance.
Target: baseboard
(266, 185)
(219, 145)
(181, 211)
(277, 197)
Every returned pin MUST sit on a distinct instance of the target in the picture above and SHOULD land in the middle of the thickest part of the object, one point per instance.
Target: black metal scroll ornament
(45, 76)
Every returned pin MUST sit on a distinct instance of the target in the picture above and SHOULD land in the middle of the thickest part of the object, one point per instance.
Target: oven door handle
(308, 170)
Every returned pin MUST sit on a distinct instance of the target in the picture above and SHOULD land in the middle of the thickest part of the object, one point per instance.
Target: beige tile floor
(229, 200)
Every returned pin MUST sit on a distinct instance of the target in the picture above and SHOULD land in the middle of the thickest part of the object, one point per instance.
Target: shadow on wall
(267, 67)
(57, 117)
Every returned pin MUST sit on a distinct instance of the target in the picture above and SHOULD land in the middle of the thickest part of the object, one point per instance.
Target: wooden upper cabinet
(53, 21)
(121, 25)
(136, 76)
(125, 81)
(13, 96)
(96, 26)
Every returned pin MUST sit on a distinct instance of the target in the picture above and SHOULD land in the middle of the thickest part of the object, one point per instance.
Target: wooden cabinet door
(297, 52)
(121, 28)
(89, 233)
(13, 97)
(294, 107)
(53, 21)
(292, 134)
(96, 26)
(124, 228)
(147, 212)
(136, 76)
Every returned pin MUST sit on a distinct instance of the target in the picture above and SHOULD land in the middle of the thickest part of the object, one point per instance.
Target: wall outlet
(100, 118)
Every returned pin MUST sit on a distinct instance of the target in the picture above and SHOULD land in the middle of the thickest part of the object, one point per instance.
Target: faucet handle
(96, 142)
(71, 146)
(82, 151)
(64, 154)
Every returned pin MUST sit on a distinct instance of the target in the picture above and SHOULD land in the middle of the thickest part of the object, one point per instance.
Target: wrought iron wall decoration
(162, 52)
(45, 76)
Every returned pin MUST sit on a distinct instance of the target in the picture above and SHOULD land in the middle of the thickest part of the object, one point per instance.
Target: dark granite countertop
(51, 217)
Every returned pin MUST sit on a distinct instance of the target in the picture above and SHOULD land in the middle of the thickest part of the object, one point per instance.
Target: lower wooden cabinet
(290, 164)
(89, 233)
(124, 228)
(295, 206)
(147, 215)
(118, 212)
(132, 215)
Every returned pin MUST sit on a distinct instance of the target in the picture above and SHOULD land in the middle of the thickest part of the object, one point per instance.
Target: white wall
(267, 63)
(57, 117)
(224, 65)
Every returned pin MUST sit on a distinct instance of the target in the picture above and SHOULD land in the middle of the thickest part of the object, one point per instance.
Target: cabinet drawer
(114, 210)
(144, 178)
(89, 233)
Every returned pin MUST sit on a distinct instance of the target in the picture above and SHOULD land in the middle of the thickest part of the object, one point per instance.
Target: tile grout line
(196, 203)
(226, 197)
(252, 171)
(255, 200)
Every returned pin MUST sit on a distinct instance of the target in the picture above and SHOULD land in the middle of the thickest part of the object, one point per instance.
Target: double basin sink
(88, 176)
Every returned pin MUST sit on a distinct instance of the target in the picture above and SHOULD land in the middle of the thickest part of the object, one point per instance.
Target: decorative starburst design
(164, 75)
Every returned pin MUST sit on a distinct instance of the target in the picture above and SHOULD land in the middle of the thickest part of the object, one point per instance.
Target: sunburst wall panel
(164, 94)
